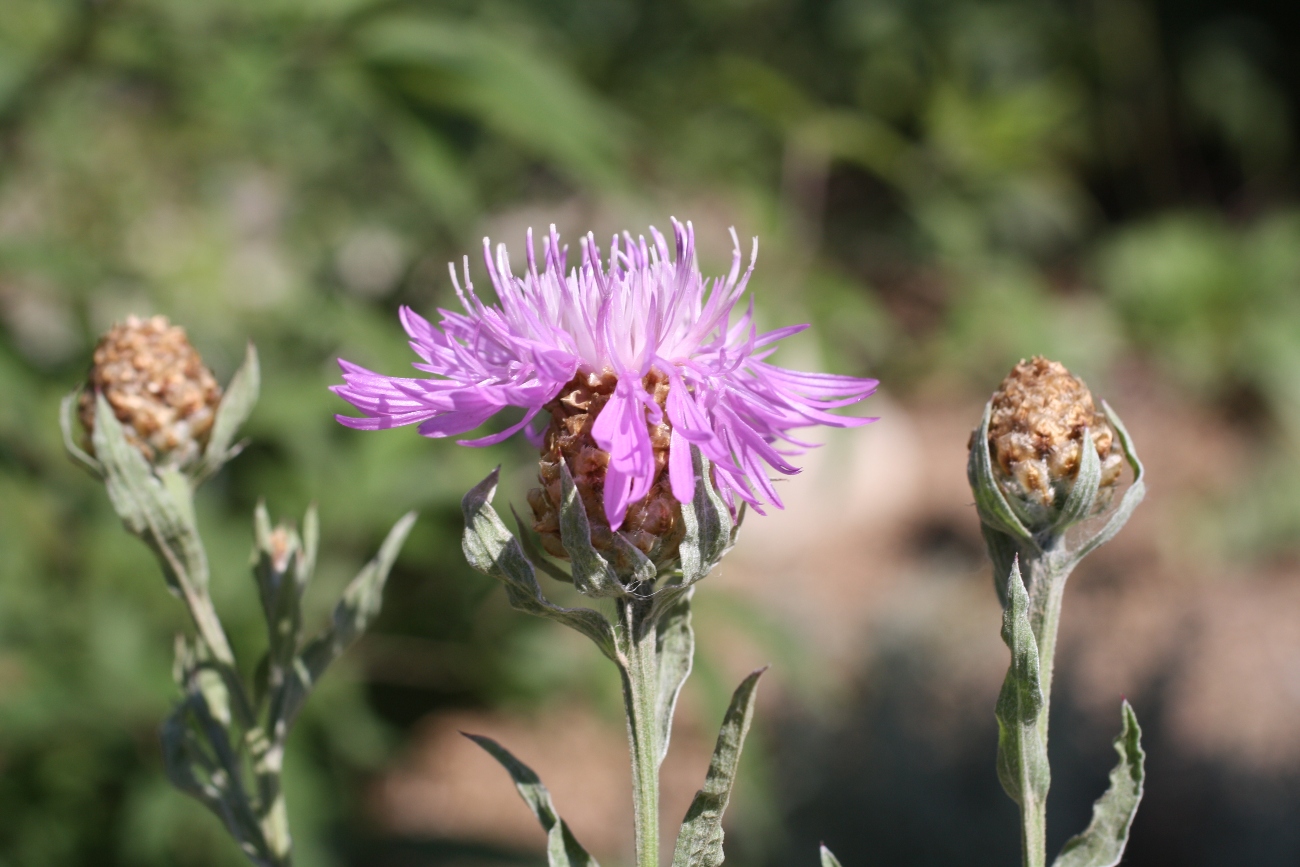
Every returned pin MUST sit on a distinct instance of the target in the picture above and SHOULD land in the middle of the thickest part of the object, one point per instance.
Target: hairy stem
(640, 672)
(1048, 573)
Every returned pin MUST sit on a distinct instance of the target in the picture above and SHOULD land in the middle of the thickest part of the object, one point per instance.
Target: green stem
(640, 672)
(1048, 573)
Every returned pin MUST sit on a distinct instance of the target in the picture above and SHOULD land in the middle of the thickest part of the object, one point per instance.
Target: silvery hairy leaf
(707, 522)
(67, 412)
(828, 857)
(1128, 502)
(1022, 755)
(699, 844)
(360, 604)
(147, 507)
(562, 848)
(1102, 843)
(592, 573)
(491, 549)
(675, 648)
(236, 405)
(535, 555)
(1083, 493)
(991, 503)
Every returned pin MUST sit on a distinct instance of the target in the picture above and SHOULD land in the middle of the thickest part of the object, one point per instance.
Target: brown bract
(1036, 428)
(654, 523)
(158, 387)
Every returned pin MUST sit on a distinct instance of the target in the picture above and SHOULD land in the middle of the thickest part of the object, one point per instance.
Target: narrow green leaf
(362, 599)
(707, 523)
(491, 549)
(67, 413)
(991, 504)
(675, 647)
(562, 848)
(536, 556)
(592, 573)
(148, 508)
(828, 858)
(236, 405)
(1083, 493)
(1128, 503)
(700, 842)
(1102, 843)
(1022, 755)
(310, 545)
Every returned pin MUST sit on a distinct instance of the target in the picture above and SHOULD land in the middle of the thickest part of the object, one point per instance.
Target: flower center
(653, 523)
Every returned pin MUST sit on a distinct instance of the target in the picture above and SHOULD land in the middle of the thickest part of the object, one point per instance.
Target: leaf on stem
(1083, 493)
(491, 549)
(1102, 843)
(562, 848)
(361, 601)
(700, 842)
(1127, 503)
(67, 411)
(707, 522)
(592, 573)
(675, 648)
(1022, 755)
(235, 408)
(992, 505)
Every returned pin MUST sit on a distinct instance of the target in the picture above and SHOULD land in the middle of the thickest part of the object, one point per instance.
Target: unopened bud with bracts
(654, 523)
(1040, 421)
(158, 388)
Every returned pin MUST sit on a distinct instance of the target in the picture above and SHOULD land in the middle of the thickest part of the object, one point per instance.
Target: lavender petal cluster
(642, 310)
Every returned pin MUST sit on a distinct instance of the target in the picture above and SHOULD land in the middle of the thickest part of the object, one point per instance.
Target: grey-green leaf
(536, 556)
(1083, 493)
(592, 574)
(707, 523)
(491, 549)
(828, 857)
(992, 505)
(1128, 503)
(1022, 755)
(700, 842)
(1102, 843)
(75, 451)
(676, 649)
(360, 604)
(562, 848)
(235, 407)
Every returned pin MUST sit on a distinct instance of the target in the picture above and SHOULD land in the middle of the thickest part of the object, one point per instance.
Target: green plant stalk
(640, 674)
(1048, 572)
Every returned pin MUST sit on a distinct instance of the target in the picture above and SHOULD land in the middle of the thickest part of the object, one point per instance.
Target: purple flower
(644, 311)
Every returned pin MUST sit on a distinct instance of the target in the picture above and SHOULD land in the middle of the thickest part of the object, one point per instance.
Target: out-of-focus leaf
(562, 848)
(499, 81)
(699, 844)
(828, 857)
(1102, 842)
(234, 409)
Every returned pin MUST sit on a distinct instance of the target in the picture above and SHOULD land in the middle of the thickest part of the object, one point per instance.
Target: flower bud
(1037, 423)
(157, 386)
(654, 523)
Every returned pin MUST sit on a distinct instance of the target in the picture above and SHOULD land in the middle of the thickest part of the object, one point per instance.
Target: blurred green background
(941, 186)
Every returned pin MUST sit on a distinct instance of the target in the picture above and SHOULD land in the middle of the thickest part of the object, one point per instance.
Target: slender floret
(665, 348)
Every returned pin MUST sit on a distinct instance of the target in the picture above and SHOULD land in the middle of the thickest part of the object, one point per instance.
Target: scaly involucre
(645, 310)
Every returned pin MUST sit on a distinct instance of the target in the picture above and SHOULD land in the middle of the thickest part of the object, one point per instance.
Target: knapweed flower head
(620, 366)
(158, 387)
(1036, 429)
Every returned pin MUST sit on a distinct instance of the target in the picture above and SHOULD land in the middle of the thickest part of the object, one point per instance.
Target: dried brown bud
(1036, 429)
(653, 524)
(158, 387)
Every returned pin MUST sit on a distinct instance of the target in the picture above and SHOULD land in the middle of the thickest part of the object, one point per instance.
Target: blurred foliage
(941, 185)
